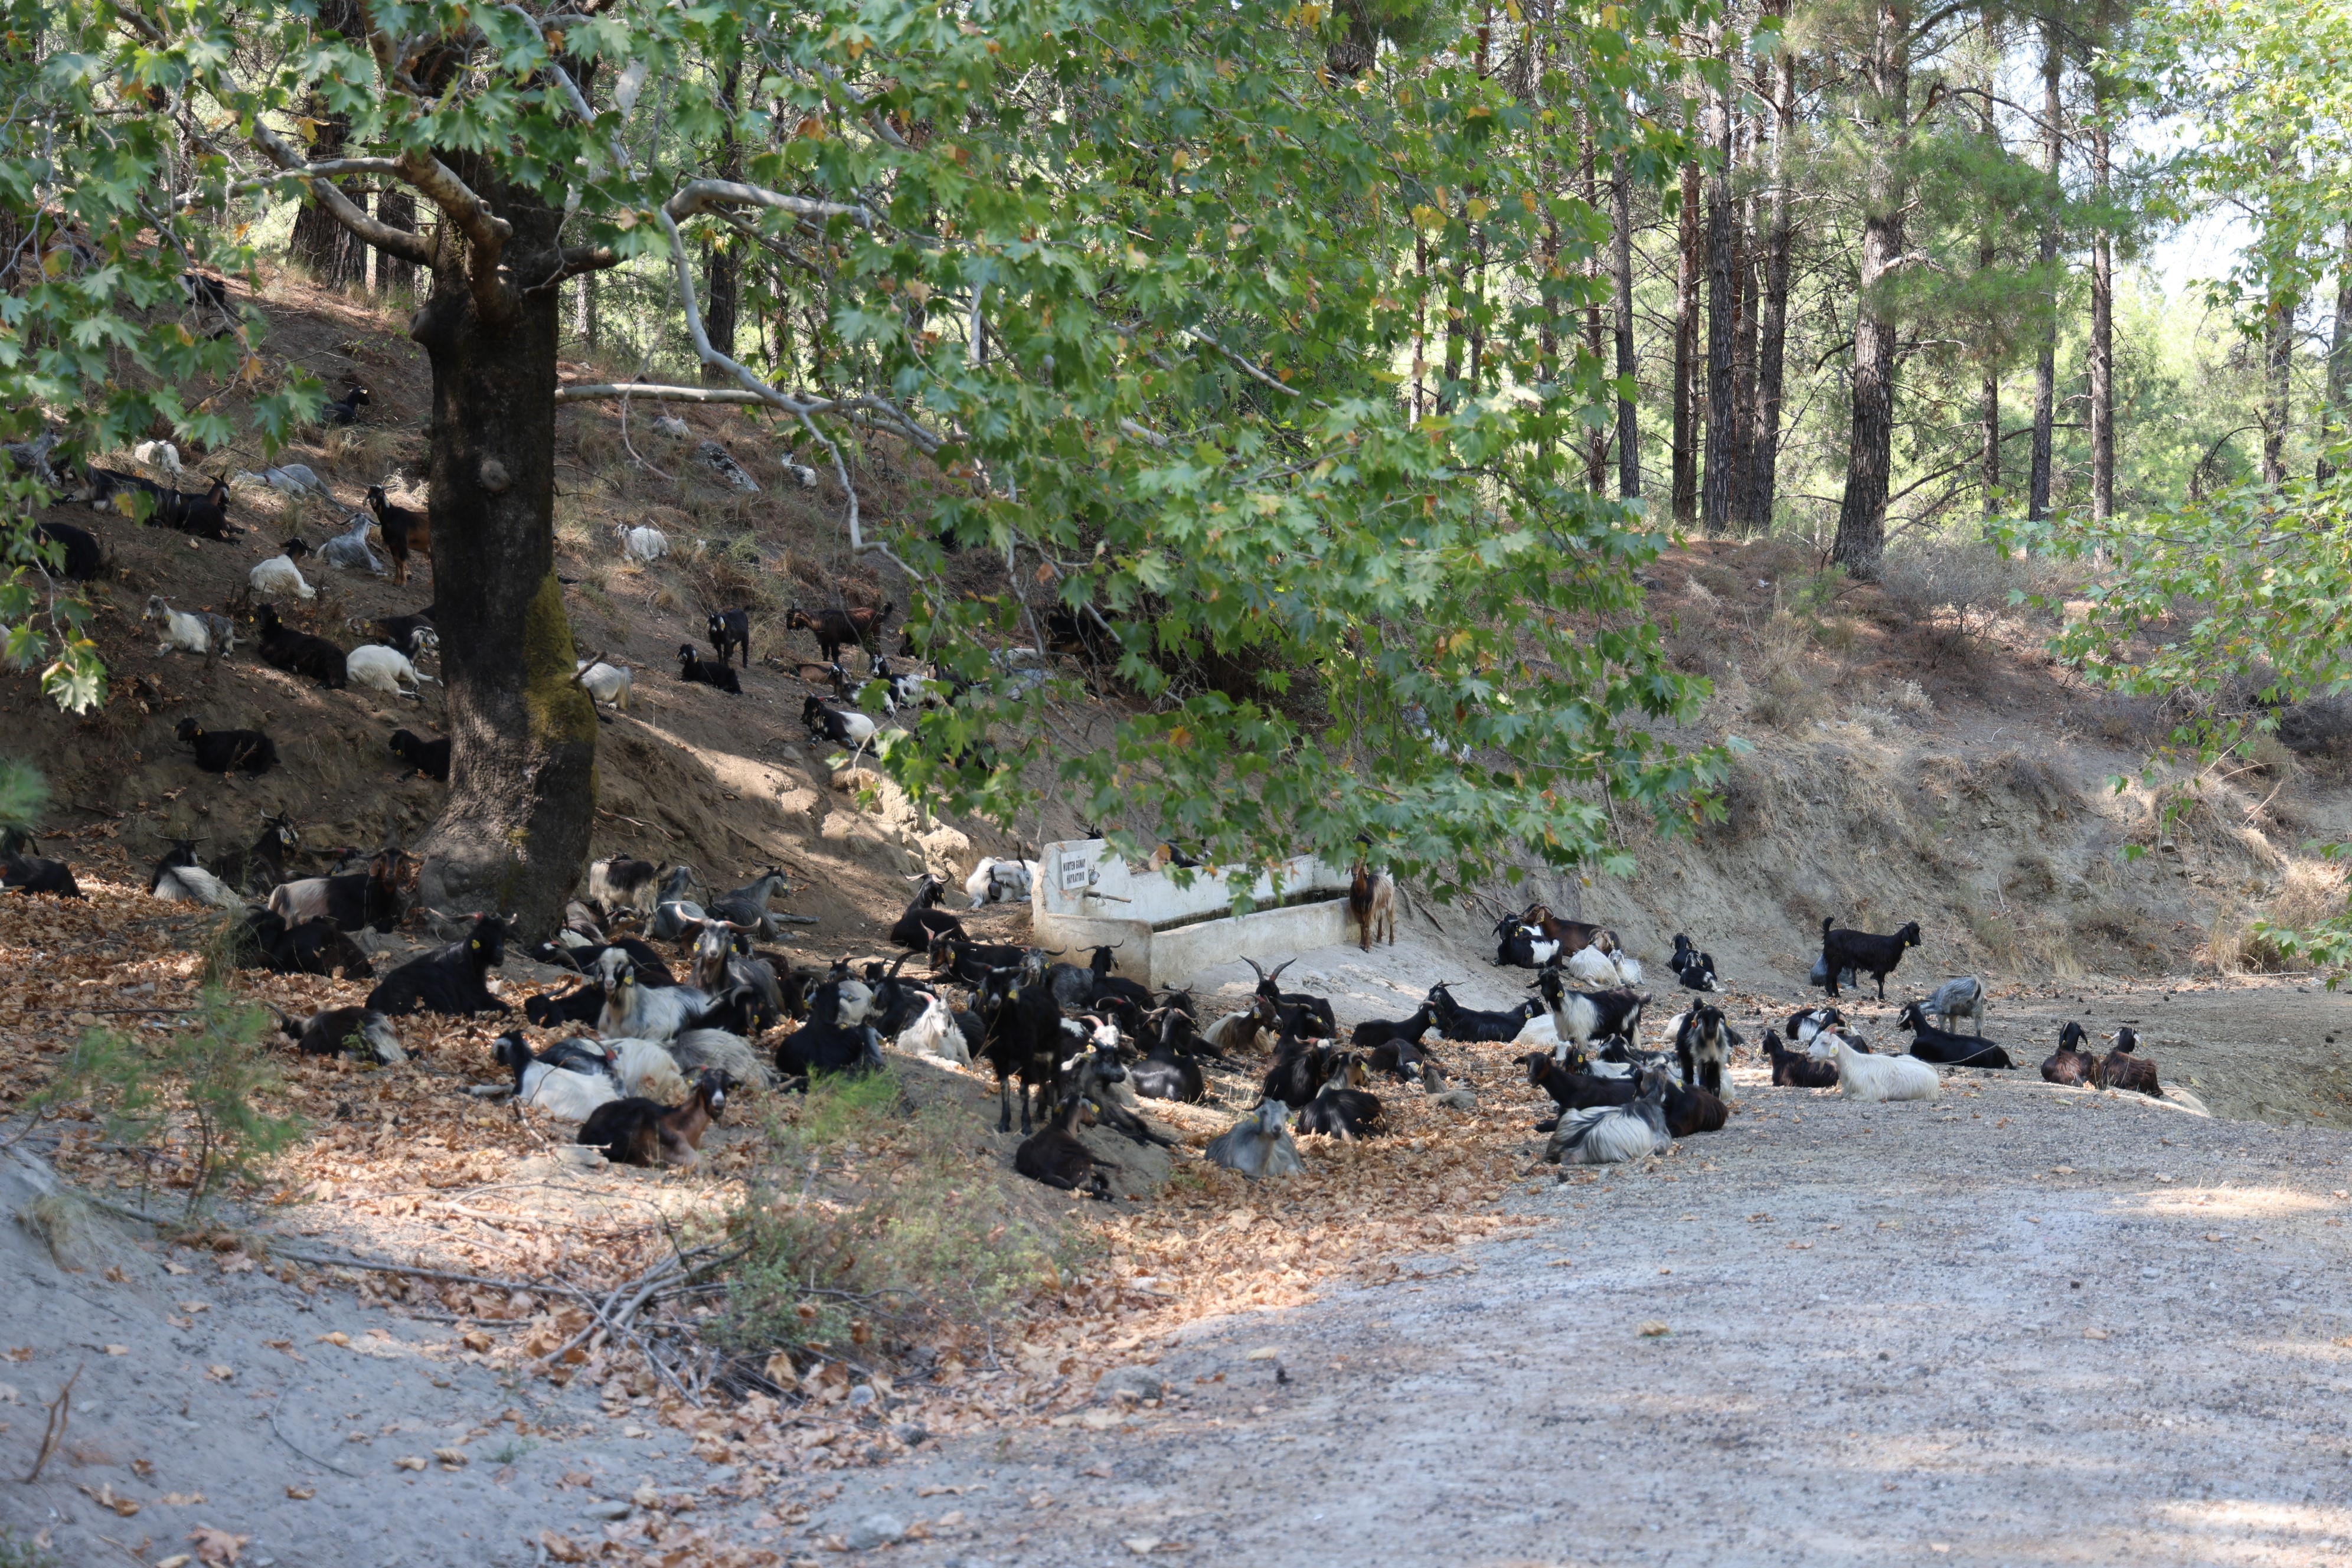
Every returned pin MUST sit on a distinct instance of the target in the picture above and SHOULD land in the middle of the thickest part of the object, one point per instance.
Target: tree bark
(513, 837)
(1420, 325)
(331, 253)
(1685, 453)
(1596, 444)
(1718, 492)
(1870, 436)
(398, 209)
(2278, 368)
(720, 283)
(1743, 358)
(2339, 360)
(1629, 428)
(2103, 299)
(1773, 318)
(2045, 366)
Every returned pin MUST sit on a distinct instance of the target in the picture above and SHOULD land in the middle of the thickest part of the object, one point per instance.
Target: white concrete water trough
(1086, 896)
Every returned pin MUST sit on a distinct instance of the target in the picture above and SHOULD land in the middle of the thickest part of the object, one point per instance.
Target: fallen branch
(305, 1453)
(60, 1411)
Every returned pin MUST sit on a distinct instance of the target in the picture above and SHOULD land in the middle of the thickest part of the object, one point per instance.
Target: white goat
(563, 1092)
(643, 543)
(1613, 1134)
(204, 635)
(278, 574)
(348, 549)
(606, 683)
(647, 1070)
(732, 1054)
(158, 455)
(383, 669)
(1590, 966)
(194, 885)
(1000, 881)
(1875, 1077)
(934, 1034)
(801, 476)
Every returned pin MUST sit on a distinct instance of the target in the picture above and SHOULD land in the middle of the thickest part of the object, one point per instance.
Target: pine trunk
(1743, 363)
(1596, 444)
(2046, 364)
(1773, 318)
(1718, 495)
(2339, 360)
(1685, 453)
(2103, 304)
(1869, 437)
(1629, 428)
(721, 282)
(2278, 368)
(513, 836)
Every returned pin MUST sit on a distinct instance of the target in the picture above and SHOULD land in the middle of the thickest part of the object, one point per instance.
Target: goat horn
(1253, 964)
(1280, 967)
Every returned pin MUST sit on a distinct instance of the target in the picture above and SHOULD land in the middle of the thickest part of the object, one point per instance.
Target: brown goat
(1573, 936)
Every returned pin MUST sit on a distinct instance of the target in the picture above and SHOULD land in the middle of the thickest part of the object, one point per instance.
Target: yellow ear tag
(475, 945)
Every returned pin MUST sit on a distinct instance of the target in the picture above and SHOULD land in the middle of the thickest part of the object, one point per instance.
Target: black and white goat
(837, 1037)
(1864, 952)
(569, 1082)
(450, 981)
(1703, 1042)
(637, 1011)
(346, 1031)
(1613, 1134)
(1795, 1069)
(620, 883)
(177, 879)
(1580, 1017)
(1694, 970)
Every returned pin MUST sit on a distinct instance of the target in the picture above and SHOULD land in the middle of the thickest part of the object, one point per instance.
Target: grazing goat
(80, 558)
(1580, 1017)
(1259, 1144)
(430, 758)
(643, 543)
(731, 630)
(177, 879)
(567, 1083)
(695, 670)
(834, 630)
(2123, 1070)
(348, 549)
(1933, 1044)
(1864, 953)
(1960, 998)
(227, 751)
(206, 635)
(346, 1031)
(1703, 1046)
(636, 1132)
(1000, 881)
(1455, 1022)
(1876, 1078)
(604, 683)
(1694, 970)
(1371, 903)
(2074, 1064)
(278, 574)
(1054, 1156)
(450, 981)
(298, 653)
(345, 410)
(1794, 1069)
(315, 946)
(1613, 1134)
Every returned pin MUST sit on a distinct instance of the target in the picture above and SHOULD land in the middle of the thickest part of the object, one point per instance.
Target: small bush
(1790, 694)
(1969, 580)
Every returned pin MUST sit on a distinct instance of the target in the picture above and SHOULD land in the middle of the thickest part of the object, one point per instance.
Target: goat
(569, 1084)
(177, 879)
(606, 683)
(288, 480)
(1259, 1144)
(128, 495)
(265, 857)
(2073, 1064)
(834, 628)
(837, 1038)
(227, 751)
(1693, 969)
(731, 629)
(1959, 998)
(1372, 903)
(1298, 1072)
(842, 727)
(1590, 966)
(348, 549)
(1054, 1156)
(374, 897)
(278, 574)
(158, 455)
(1573, 936)
(1940, 1046)
(430, 758)
(21, 873)
(415, 636)
(1691, 1109)
(1023, 1039)
(345, 410)
(922, 919)
(202, 516)
(404, 532)
(2123, 1070)
(450, 981)
(315, 946)
(1864, 952)
(1341, 1108)
(1238, 1031)
(204, 290)
(382, 668)
(1455, 1022)
(637, 1131)
(1808, 1022)
(1795, 1069)
(934, 1033)
(722, 1050)
(620, 883)
(582, 1005)
(298, 653)
(1703, 1046)
(643, 543)
(996, 880)
(1521, 946)
(1574, 1090)
(1374, 1032)
(1580, 1017)
(747, 906)
(185, 633)
(695, 670)
(645, 1012)
(970, 962)
(1611, 1134)
(346, 1031)
(1302, 1013)
(80, 557)
(1168, 1071)
(1878, 1078)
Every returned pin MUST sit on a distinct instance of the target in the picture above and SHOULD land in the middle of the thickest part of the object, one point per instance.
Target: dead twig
(304, 1452)
(60, 1412)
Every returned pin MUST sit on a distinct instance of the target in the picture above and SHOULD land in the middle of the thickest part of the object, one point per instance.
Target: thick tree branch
(702, 196)
(332, 169)
(399, 242)
(586, 393)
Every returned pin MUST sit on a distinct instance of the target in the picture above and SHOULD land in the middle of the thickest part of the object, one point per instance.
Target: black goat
(731, 629)
(1455, 1022)
(651, 972)
(202, 516)
(1930, 1044)
(1340, 1108)
(1299, 1070)
(298, 653)
(449, 981)
(1116, 993)
(1694, 969)
(696, 670)
(837, 1037)
(1691, 1110)
(412, 635)
(1054, 1156)
(1392, 1032)
(1301, 1012)
(82, 559)
(584, 1005)
(227, 751)
(1020, 1039)
(834, 630)
(2074, 1064)
(1795, 1069)
(1864, 952)
(346, 1031)
(404, 532)
(923, 920)
(345, 410)
(31, 874)
(637, 1131)
(1170, 1072)
(308, 947)
(2121, 1069)
(264, 860)
(204, 291)
(1702, 1047)
(957, 955)
(430, 758)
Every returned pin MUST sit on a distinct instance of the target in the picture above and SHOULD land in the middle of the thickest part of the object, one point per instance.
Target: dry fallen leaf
(1263, 1353)
(118, 1349)
(408, 1462)
(477, 1341)
(1652, 1330)
(1141, 1545)
(337, 1338)
(561, 1549)
(220, 1373)
(2094, 1333)
(217, 1545)
(177, 1560)
(104, 1497)
(180, 1499)
(451, 1459)
(301, 1494)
